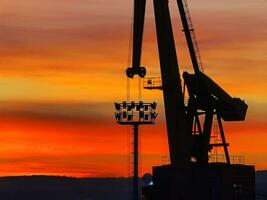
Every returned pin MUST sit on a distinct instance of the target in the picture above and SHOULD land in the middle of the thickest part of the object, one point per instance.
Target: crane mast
(178, 134)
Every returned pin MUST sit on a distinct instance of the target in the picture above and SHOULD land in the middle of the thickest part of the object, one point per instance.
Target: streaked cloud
(62, 66)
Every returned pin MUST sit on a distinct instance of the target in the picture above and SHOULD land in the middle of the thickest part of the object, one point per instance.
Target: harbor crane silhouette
(190, 175)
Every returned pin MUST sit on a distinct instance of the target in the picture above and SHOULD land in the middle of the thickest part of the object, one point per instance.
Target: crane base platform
(215, 181)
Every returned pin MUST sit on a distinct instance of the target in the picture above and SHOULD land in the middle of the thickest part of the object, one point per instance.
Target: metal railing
(152, 83)
(219, 158)
(165, 160)
(213, 158)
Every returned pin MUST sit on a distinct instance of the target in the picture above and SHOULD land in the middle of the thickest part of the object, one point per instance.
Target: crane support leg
(223, 140)
(207, 133)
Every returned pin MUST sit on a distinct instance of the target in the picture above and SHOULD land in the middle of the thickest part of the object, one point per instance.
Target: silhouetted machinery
(190, 174)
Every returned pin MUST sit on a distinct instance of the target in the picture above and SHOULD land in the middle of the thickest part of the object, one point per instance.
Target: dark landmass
(65, 188)
(57, 188)
(261, 185)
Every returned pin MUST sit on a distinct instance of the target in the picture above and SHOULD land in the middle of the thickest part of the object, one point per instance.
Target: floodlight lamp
(124, 104)
(129, 108)
(118, 116)
(141, 104)
(124, 114)
(141, 114)
(117, 106)
(154, 105)
(132, 104)
(153, 115)
(130, 117)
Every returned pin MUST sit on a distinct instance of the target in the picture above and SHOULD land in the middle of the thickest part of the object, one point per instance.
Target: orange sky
(62, 66)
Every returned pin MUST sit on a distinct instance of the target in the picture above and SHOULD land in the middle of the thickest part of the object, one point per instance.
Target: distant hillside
(57, 188)
(64, 188)
(261, 185)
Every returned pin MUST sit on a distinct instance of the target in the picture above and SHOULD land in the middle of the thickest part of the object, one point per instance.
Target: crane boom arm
(187, 29)
(138, 29)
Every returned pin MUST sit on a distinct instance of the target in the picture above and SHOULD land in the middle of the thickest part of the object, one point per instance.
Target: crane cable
(193, 35)
(128, 96)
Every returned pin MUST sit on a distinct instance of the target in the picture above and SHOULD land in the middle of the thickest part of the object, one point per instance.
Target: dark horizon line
(73, 177)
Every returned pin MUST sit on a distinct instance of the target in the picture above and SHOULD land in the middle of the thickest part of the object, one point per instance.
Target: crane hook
(131, 71)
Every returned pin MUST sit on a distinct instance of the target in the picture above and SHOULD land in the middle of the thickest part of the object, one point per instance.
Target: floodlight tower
(135, 114)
